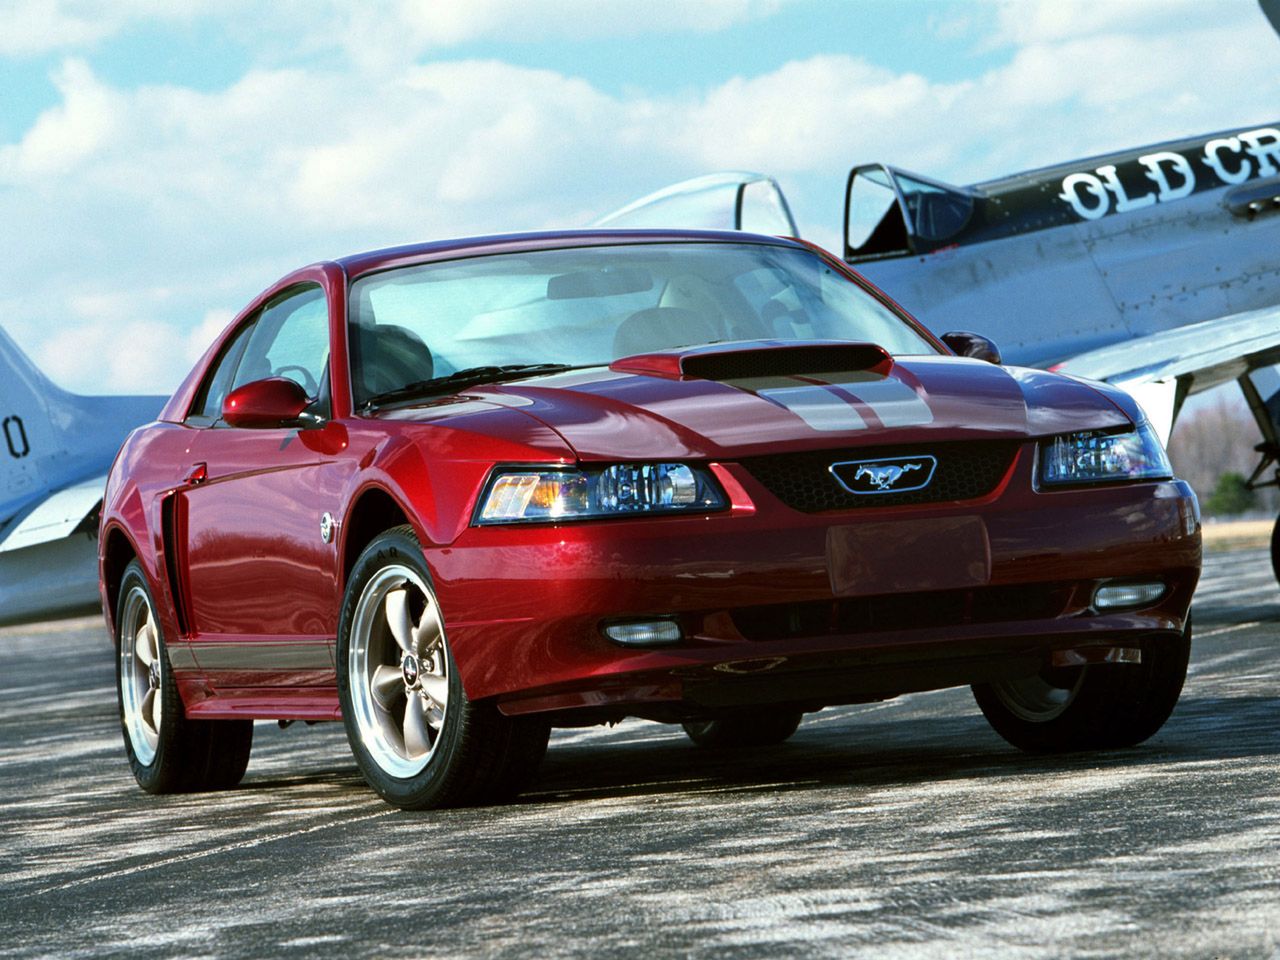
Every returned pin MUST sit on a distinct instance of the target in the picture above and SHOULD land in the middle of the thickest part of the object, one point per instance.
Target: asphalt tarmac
(899, 829)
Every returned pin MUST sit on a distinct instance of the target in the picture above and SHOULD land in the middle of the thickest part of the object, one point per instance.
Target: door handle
(199, 474)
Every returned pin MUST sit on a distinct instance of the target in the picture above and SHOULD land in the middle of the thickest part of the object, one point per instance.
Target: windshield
(590, 305)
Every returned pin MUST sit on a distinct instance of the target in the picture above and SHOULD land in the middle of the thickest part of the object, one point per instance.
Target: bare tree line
(1215, 439)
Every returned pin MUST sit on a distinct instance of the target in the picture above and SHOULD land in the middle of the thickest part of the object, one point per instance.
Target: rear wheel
(418, 740)
(745, 728)
(1275, 549)
(167, 752)
(1091, 707)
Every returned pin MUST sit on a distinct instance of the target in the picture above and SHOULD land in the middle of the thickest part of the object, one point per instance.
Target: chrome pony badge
(327, 527)
(891, 475)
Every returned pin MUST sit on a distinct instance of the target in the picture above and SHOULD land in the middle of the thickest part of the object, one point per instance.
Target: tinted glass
(590, 305)
(938, 213)
(290, 339)
(208, 405)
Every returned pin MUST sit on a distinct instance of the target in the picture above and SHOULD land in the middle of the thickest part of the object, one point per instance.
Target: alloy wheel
(398, 669)
(140, 679)
(1042, 697)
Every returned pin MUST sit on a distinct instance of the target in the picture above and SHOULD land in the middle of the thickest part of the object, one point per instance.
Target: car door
(260, 577)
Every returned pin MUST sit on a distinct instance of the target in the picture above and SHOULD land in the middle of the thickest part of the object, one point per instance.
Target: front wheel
(744, 728)
(167, 752)
(1091, 707)
(417, 739)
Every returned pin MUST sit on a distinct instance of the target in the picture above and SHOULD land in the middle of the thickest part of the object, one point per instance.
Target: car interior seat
(660, 328)
(388, 357)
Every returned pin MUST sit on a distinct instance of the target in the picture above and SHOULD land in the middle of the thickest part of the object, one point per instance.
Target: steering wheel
(308, 382)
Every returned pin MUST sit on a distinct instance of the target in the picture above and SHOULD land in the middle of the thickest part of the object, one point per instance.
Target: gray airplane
(54, 456)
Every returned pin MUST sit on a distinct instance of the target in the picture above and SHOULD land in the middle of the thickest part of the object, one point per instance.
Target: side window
(291, 339)
(208, 404)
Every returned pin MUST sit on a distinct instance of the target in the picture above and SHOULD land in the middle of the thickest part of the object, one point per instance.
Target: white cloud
(370, 32)
(1023, 22)
(1049, 101)
(131, 357)
(445, 22)
(36, 27)
(64, 135)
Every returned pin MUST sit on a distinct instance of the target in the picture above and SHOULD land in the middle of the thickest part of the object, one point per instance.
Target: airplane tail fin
(19, 377)
(27, 436)
(55, 450)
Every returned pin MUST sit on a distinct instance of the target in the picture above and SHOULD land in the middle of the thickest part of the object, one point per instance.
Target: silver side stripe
(817, 406)
(896, 404)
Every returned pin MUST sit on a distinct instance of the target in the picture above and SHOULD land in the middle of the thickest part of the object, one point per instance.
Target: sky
(163, 161)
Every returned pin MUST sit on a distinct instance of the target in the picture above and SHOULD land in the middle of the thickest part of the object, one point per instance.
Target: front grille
(903, 611)
(803, 481)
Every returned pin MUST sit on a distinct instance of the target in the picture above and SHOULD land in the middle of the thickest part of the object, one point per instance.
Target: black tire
(1102, 707)
(1275, 549)
(177, 754)
(475, 755)
(744, 728)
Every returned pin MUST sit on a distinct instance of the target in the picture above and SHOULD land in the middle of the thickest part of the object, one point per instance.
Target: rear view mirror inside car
(600, 282)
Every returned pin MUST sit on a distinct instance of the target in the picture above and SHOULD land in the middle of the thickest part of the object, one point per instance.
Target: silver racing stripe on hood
(817, 406)
(833, 402)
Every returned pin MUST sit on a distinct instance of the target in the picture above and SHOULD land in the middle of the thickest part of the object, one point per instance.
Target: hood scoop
(757, 358)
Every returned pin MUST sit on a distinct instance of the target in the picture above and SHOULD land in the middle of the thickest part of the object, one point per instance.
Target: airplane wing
(58, 515)
(1212, 351)
(1162, 369)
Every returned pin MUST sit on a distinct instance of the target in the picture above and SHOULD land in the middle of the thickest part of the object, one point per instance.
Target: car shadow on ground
(901, 753)
(653, 760)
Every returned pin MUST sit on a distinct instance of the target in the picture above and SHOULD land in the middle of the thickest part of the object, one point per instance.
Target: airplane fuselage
(1065, 260)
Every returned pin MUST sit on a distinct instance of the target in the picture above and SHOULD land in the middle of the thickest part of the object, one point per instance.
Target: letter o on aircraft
(1078, 198)
(15, 435)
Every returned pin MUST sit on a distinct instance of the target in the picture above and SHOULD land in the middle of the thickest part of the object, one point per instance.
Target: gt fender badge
(327, 527)
(890, 475)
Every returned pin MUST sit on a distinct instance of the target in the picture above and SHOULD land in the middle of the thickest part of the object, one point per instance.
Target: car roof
(361, 263)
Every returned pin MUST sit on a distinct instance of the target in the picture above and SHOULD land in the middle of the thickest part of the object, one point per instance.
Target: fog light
(645, 633)
(1114, 596)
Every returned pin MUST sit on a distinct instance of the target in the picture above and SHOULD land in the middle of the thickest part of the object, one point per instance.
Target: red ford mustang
(458, 493)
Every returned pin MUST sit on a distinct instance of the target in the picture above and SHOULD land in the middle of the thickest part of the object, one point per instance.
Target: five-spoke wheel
(399, 670)
(167, 751)
(416, 736)
(141, 702)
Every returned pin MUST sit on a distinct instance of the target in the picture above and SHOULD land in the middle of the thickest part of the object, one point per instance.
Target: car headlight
(527, 495)
(1100, 456)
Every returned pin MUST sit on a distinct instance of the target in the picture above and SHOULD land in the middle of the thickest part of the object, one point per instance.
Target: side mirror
(273, 402)
(972, 345)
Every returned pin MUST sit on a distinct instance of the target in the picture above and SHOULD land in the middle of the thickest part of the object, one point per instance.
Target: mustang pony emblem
(890, 475)
(885, 477)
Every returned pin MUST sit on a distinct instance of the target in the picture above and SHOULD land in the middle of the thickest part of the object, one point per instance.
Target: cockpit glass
(937, 212)
(873, 209)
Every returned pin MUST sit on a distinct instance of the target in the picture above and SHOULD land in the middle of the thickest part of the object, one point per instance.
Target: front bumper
(781, 606)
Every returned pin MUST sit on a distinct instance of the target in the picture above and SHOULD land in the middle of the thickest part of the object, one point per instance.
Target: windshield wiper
(459, 379)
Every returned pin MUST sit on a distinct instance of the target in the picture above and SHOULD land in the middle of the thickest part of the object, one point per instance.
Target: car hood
(638, 410)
